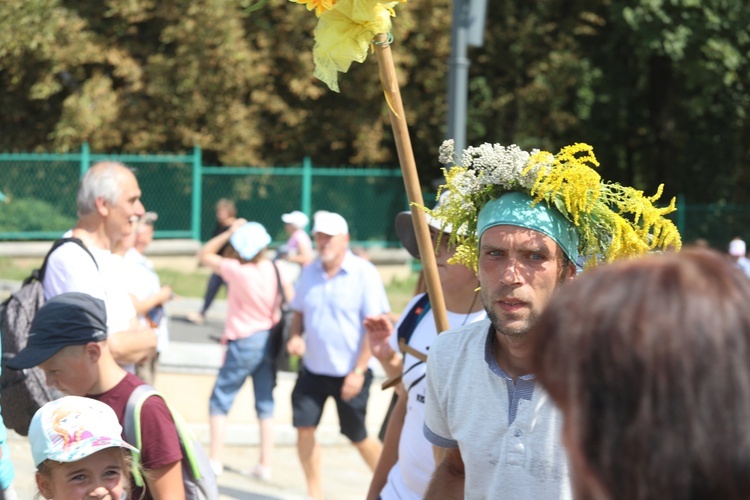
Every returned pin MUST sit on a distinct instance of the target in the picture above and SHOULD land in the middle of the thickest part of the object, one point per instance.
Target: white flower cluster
(446, 152)
(497, 164)
(491, 164)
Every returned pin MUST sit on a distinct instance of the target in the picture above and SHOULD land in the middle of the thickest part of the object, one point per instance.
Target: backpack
(413, 317)
(405, 331)
(23, 392)
(197, 475)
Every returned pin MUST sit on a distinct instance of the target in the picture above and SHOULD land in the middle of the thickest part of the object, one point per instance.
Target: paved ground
(186, 378)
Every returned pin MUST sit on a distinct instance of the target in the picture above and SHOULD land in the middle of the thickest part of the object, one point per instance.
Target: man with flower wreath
(529, 218)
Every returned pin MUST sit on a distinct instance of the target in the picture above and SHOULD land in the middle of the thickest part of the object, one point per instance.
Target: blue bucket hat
(518, 209)
(249, 239)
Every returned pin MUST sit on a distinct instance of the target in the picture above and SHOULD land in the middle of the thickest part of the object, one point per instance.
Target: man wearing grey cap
(334, 295)
(68, 341)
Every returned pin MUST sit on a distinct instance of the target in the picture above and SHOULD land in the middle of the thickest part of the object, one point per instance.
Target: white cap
(330, 223)
(737, 248)
(296, 219)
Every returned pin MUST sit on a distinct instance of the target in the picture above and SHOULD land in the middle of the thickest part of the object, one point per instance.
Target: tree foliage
(658, 87)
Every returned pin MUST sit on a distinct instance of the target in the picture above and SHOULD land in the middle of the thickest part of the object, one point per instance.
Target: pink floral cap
(71, 428)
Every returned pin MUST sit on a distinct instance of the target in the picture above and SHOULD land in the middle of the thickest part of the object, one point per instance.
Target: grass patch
(193, 284)
(188, 284)
(401, 291)
(14, 269)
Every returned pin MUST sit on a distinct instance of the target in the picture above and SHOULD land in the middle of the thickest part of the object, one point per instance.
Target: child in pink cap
(78, 450)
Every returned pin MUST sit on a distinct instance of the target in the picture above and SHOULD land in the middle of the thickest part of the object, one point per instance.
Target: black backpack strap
(280, 287)
(55, 246)
(413, 317)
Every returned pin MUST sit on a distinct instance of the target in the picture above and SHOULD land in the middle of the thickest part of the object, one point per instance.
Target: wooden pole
(411, 178)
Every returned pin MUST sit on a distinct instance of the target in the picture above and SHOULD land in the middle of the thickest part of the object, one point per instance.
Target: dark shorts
(309, 397)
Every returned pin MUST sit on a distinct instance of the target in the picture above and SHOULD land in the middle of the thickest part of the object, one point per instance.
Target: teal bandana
(518, 209)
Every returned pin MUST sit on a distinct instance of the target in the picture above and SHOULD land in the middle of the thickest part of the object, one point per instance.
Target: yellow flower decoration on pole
(344, 33)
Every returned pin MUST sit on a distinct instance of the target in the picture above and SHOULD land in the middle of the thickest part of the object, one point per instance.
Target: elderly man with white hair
(109, 203)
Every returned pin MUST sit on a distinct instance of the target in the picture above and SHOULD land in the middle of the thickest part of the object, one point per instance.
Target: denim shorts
(248, 357)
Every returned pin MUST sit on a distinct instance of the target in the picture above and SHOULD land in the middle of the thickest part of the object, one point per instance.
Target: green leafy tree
(660, 89)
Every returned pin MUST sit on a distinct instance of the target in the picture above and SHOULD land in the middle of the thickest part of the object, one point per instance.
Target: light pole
(467, 28)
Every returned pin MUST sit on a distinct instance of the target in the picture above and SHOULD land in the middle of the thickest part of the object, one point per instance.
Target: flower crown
(612, 221)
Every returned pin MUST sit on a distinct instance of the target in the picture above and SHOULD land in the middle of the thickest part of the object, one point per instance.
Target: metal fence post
(197, 194)
(85, 158)
(307, 186)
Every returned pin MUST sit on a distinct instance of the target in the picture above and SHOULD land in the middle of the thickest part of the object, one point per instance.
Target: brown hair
(649, 361)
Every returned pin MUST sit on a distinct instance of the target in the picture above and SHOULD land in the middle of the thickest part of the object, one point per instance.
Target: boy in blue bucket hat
(522, 220)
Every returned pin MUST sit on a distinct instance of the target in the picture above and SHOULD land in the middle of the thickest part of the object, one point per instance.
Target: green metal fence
(40, 192)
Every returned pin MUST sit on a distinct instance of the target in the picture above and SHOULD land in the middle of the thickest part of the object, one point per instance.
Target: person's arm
(165, 483)
(355, 379)
(296, 344)
(132, 345)
(209, 253)
(389, 454)
(161, 453)
(448, 479)
(142, 306)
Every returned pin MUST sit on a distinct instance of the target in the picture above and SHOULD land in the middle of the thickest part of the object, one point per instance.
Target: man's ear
(93, 351)
(572, 271)
(102, 206)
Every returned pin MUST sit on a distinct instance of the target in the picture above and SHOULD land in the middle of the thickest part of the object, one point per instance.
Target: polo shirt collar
(346, 264)
(489, 358)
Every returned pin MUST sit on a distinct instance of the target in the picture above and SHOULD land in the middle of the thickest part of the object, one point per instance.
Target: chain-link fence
(40, 194)
(39, 191)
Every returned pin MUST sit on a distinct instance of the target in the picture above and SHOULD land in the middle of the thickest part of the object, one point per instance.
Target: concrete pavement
(188, 371)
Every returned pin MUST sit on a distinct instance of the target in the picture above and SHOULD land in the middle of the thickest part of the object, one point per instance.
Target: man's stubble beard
(513, 334)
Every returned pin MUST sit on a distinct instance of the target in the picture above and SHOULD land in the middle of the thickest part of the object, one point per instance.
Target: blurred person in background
(226, 214)
(652, 377)
(297, 252)
(298, 248)
(737, 253)
(335, 293)
(145, 289)
(254, 305)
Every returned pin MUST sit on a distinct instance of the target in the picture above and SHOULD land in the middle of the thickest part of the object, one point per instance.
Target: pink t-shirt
(253, 300)
(297, 241)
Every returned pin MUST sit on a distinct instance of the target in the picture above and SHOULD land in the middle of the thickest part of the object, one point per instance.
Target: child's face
(97, 476)
(71, 370)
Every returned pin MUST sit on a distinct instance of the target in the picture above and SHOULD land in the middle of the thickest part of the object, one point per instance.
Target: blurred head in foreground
(649, 361)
